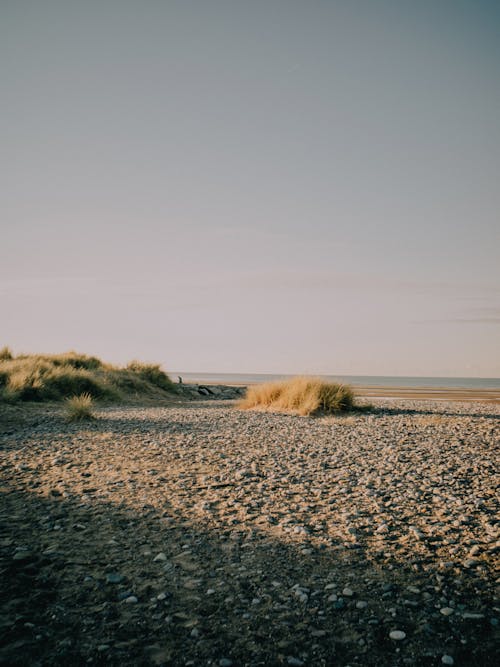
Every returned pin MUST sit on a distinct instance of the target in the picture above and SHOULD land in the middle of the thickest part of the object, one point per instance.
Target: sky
(260, 186)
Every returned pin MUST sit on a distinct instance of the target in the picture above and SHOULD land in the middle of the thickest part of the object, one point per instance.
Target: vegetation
(5, 353)
(151, 373)
(39, 377)
(302, 395)
(79, 408)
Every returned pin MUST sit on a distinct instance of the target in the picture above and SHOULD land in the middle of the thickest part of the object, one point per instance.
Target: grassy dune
(41, 377)
(303, 395)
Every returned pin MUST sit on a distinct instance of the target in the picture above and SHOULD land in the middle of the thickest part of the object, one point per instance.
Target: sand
(197, 534)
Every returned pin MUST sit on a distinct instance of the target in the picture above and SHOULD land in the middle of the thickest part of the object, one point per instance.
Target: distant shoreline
(380, 387)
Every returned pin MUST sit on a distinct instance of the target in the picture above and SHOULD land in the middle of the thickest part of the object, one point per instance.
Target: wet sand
(430, 393)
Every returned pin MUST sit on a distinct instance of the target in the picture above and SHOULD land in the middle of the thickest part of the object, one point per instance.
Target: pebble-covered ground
(198, 534)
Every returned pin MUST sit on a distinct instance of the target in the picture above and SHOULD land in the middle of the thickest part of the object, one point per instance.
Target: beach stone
(114, 578)
(447, 611)
(447, 660)
(160, 558)
(397, 635)
(406, 462)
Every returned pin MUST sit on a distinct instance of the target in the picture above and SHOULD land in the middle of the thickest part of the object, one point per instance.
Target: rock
(348, 592)
(225, 662)
(295, 662)
(361, 604)
(131, 599)
(114, 578)
(123, 595)
(397, 635)
(447, 611)
(160, 558)
(472, 616)
(447, 660)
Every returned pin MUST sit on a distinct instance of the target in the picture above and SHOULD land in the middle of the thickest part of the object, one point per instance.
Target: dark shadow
(69, 570)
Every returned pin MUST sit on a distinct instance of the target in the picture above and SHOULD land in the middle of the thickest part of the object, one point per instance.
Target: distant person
(179, 379)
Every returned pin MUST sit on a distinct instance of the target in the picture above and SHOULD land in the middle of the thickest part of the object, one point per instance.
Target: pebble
(161, 557)
(447, 611)
(447, 660)
(325, 479)
(382, 529)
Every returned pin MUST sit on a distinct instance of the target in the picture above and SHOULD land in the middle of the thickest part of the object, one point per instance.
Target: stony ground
(197, 534)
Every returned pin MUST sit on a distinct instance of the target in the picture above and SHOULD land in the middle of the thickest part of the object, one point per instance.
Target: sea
(355, 380)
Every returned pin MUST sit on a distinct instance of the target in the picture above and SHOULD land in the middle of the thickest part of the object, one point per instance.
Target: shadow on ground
(82, 583)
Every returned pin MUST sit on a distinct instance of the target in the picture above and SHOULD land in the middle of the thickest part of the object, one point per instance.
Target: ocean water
(365, 380)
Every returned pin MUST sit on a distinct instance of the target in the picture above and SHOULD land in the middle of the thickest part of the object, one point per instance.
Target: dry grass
(39, 377)
(79, 408)
(5, 353)
(302, 395)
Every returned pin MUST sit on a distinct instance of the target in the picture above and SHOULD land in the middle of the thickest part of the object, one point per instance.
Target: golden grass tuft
(45, 377)
(302, 395)
(5, 353)
(79, 408)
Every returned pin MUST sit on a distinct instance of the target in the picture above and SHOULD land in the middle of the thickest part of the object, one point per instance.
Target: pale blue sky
(257, 186)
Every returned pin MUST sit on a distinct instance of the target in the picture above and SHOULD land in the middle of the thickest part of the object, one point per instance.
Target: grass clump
(302, 395)
(152, 373)
(79, 408)
(39, 377)
(5, 353)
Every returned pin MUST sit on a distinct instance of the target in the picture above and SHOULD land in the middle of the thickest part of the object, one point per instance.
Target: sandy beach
(431, 393)
(198, 534)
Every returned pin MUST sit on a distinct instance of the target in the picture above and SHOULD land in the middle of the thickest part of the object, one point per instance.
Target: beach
(198, 534)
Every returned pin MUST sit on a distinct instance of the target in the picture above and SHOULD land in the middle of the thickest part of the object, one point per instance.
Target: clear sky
(258, 186)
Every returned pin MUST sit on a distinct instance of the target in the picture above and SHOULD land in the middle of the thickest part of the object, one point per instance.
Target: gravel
(199, 534)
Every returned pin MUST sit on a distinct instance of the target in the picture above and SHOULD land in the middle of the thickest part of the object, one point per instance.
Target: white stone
(160, 557)
(446, 611)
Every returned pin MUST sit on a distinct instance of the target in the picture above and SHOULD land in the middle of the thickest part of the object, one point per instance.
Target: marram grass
(79, 408)
(43, 377)
(302, 395)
